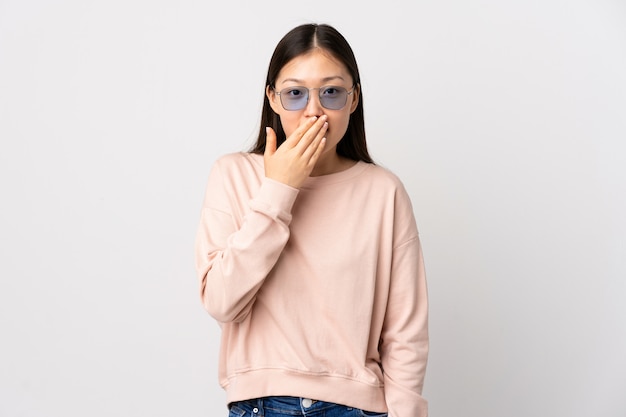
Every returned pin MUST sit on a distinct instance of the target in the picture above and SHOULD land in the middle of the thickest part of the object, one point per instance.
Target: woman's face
(313, 70)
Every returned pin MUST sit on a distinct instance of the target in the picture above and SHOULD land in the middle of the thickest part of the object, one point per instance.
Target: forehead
(314, 66)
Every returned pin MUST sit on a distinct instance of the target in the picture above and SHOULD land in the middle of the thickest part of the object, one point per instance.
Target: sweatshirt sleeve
(235, 253)
(404, 347)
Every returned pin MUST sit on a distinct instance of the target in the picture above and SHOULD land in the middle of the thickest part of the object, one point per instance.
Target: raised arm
(239, 241)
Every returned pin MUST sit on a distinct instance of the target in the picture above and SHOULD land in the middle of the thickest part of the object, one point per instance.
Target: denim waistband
(296, 406)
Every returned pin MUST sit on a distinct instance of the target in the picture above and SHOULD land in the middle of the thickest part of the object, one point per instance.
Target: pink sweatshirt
(319, 292)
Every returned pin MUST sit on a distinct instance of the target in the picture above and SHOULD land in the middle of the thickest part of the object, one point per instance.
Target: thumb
(270, 141)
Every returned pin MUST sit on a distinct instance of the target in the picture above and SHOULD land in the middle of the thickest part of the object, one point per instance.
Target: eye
(293, 92)
(331, 91)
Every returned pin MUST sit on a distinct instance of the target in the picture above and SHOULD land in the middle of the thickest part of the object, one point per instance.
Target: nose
(314, 107)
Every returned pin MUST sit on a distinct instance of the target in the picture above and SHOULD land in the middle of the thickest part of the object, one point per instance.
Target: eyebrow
(324, 80)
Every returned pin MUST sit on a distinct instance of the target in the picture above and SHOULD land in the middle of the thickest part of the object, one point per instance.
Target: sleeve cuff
(275, 199)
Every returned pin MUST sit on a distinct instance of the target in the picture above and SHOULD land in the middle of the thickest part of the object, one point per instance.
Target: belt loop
(257, 407)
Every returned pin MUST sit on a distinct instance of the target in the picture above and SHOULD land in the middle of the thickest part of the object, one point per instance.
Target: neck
(330, 163)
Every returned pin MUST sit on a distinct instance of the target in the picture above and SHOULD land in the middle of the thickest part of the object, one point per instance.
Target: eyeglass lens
(296, 98)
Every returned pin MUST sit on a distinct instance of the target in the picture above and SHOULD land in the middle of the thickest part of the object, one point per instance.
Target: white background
(505, 119)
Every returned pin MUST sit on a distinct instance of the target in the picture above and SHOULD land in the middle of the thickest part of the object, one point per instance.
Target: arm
(404, 347)
(234, 256)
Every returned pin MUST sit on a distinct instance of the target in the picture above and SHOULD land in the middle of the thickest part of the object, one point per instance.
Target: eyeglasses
(331, 97)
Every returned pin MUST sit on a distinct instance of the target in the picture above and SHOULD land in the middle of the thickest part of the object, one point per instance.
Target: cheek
(339, 125)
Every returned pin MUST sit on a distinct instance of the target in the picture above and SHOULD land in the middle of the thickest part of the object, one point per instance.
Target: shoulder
(386, 183)
(237, 160)
(238, 164)
(236, 169)
(233, 177)
(383, 178)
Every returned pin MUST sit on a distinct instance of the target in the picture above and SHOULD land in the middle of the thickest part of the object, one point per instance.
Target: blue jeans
(294, 406)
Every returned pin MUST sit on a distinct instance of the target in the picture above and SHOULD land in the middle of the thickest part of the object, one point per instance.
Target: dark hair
(299, 41)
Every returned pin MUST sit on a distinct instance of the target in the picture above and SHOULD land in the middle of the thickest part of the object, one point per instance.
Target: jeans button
(255, 410)
(307, 402)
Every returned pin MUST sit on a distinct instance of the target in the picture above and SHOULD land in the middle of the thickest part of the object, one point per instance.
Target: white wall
(505, 119)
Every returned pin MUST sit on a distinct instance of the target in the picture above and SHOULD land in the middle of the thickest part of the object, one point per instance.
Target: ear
(273, 99)
(356, 95)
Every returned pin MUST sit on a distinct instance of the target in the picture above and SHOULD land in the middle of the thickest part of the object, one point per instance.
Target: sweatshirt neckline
(322, 180)
(345, 175)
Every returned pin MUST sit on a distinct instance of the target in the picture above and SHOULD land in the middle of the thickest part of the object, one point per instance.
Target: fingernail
(267, 130)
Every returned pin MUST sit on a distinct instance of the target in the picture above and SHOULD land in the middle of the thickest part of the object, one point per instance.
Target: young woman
(308, 253)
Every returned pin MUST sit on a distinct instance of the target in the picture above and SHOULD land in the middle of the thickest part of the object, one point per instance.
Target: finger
(300, 132)
(311, 147)
(270, 141)
(315, 132)
(317, 153)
